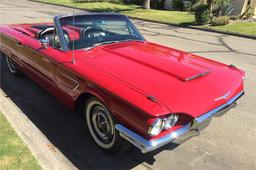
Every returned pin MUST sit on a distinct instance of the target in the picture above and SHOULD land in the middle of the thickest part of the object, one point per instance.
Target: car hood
(182, 82)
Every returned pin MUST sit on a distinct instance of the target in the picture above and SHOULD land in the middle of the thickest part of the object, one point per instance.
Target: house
(240, 6)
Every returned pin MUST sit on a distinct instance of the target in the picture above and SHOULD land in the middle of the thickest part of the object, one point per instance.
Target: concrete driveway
(228, 143)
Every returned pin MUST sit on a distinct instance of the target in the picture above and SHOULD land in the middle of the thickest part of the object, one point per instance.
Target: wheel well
(2, 54)
(4, 51)
(81, 100)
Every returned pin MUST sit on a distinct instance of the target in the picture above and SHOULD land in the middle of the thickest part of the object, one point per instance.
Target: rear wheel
(102, 127)
(12, 66)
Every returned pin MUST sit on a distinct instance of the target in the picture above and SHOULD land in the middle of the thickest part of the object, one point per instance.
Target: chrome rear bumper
(189, 130)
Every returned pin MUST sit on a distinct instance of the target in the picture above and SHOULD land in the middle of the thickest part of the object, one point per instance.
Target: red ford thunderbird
(128, 89)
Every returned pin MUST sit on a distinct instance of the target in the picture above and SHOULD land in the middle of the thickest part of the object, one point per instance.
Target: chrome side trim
(215, 111)
(180, 135)
(70, 78)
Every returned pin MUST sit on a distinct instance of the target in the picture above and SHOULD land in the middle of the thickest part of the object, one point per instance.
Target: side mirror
(44, 43)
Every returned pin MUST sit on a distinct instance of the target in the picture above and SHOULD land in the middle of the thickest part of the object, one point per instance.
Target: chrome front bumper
(191, 129)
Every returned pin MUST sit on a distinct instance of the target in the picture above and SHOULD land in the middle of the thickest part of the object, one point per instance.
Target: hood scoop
(196, 76)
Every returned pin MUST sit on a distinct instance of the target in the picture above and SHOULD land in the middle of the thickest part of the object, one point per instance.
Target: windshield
(85, 31)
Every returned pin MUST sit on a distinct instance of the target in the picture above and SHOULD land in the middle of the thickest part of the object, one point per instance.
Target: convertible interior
(48, 32)
(79, 36)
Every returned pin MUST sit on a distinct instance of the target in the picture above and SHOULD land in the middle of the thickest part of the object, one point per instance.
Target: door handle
(19, 44)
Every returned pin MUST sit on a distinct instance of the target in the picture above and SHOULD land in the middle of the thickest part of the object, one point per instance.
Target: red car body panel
(158, 71)
(125, 76)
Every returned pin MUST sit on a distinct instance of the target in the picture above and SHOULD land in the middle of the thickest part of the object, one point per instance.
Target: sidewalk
(47, 155)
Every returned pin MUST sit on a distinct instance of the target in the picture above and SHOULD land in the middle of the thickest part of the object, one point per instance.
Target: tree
(209, 3)
(146, 4)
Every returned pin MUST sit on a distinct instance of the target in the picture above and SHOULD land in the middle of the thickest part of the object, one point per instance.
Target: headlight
(170, 121)
(156, 127)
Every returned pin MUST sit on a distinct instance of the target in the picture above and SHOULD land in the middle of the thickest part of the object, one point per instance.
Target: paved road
(229, 142)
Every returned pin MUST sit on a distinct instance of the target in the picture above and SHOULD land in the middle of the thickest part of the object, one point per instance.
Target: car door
(9, 46)
(47, 66)
(37, 59)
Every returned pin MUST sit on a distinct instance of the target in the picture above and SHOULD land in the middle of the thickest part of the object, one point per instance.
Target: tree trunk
(209, 3)
(146, 4)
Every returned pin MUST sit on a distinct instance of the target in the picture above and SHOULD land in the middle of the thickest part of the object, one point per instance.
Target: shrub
(195, 4)
(158, 4)
(202, 14)
(154, 4)
(223, 20)
(188, 4)
(88, 1)
(222, 8)
(178, 5)
(234, 17)
(136, 2)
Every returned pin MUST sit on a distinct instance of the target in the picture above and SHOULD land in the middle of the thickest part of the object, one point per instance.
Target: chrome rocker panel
(179, 136)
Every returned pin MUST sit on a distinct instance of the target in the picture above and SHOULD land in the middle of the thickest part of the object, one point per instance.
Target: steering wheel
(93, 32)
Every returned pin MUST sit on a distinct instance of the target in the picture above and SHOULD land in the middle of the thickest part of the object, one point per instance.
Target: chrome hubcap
(102, 124)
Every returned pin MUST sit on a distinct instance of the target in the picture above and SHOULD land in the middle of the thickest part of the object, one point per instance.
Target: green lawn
(169, 17)
(14, 154)
(248, 28)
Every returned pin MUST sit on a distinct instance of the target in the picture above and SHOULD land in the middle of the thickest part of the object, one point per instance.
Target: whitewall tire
(12, 66)
(101, 126)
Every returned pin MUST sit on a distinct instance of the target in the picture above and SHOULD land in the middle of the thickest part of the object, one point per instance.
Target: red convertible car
(129, 89)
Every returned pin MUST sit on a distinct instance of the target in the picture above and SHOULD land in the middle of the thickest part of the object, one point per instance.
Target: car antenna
(73, 44)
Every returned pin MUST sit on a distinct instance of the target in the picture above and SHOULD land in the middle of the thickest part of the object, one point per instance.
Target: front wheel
(102, 127)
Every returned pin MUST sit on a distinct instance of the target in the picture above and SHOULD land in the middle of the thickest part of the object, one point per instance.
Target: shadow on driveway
(64, 128)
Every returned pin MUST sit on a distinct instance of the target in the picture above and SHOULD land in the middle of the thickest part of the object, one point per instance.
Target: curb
(197, 28)
(47, 155)
(159, 22)
(223, 32)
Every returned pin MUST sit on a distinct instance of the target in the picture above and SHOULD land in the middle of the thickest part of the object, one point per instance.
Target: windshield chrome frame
(60, 33)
